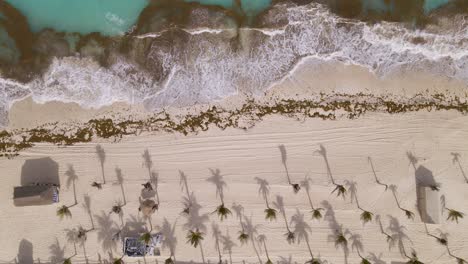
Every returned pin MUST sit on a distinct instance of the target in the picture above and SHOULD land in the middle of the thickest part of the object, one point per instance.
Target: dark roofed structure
(35, 195)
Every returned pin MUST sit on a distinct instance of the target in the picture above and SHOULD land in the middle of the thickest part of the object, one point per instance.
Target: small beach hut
(35, 195)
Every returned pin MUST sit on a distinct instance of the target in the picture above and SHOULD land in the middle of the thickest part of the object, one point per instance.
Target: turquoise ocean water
(114, 17)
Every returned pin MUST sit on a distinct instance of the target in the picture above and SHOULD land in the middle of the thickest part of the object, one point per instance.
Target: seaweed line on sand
(325, 107)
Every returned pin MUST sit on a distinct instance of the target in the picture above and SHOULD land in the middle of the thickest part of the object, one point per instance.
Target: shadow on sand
(25, 252)
(43, 170)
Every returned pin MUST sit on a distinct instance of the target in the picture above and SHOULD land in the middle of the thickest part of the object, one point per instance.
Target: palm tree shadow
(228, 244)
(216, 233)
(252, 230)
(397, 232)
(100, 152)
(376, 259)
(25, 252)
(337, 229)
(170, 239)
(456, 159)
(120, 181)
(87, 207)
(377, 180)
(195, 220)
(71, 179)
(106, 231)
(134, 226)
(57, 253)
(284, 159)
(302, 229)
(217, 179)
(147, 162)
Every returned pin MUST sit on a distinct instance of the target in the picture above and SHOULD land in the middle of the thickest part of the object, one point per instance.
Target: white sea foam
(208, 68)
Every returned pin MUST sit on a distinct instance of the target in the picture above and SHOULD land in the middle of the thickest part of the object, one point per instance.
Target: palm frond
(270, 214)
(118, 261)
(316, 213)
(366, 217)
(243, 237)
(313, 261)
(169, 261)
(63, 211)
(290, 237)
(97, 185)
(409, 214)
(222, 212)
(296, 187)
(67, 261)
(453, 215)
(146, 238)
(340, 190)
(268, 261)
(364, 261)
(117, 209)
(194, 237)
(460, 260)
(340, 239)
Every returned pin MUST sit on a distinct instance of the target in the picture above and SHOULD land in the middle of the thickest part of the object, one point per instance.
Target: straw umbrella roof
(148, 207)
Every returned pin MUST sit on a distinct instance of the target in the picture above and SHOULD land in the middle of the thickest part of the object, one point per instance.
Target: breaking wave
(200, 64)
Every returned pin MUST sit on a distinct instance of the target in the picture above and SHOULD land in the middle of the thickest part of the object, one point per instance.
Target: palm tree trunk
(329, 170)
(310, 200)
(266, 250)
(219, 252)
(103, 176)
(92, 220)
(255, 249)
(308, 247)
(396, 200)
(123, 194)
(287, 172)
(286, 220)
(202, 255)
(462, 171)
(74, 192)
(266, 201)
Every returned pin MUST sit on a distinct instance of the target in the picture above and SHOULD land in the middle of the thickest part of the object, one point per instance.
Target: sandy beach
(241, 156)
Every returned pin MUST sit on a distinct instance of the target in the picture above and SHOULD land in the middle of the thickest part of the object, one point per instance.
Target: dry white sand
(241, 156)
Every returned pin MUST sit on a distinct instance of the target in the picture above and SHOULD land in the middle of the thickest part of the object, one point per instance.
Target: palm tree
(408, 213)
(270, 214)
(316, 212)
(262, 241)
(120, 180)
(169, 260)
(71, 179)
(118, 261)
(184, 185)
(218, 181)
(453, 215)
(413, 259)
(340, 239)
(117, 209)
(251, 230)
(64, 211)
(146, 238)
(458, 259)
(195, 238)
(340, 190)
(67, 261)
(295, 186)
(264, 190)
(290, 237)
(222, 212)
(97, 185)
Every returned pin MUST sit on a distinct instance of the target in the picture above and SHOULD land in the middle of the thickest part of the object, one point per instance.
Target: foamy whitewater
(210, 68)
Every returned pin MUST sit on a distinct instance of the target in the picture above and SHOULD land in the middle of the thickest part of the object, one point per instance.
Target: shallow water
(109, 17)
